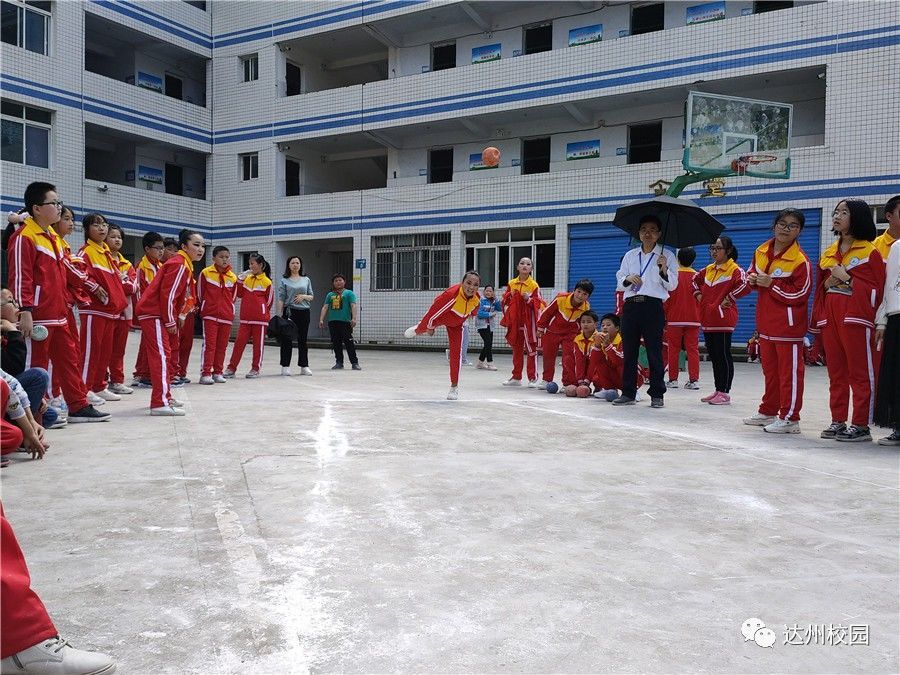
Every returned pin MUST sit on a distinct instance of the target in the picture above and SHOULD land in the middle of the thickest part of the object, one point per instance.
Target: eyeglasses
(787, 226)
(58, 204)
(841, 212)
(158, 248)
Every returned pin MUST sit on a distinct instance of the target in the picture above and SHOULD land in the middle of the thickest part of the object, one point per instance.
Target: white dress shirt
(891, 303)
(645, 266)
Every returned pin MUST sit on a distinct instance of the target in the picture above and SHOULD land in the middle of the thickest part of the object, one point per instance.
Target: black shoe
(177, 382)
(185, 380)
(893, 439)
(88, 414)
(337, 366)
(833, 430)
(623, 400)
(656, 402)
(852, 434)
(356, 366)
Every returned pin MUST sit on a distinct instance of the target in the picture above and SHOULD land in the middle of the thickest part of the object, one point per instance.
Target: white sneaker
(175, 403)
(603, 393)
(759, 420)
(95, 400)
(532, 384)
(453, 394)
(219, 379)
(107, 395)
(252, 374)
(672, 384)
(512, 382)
(304, 370)
(481, 365)
(541, 385)
(120, 388)
(207, 379)
(58, 657)
(780, 426)
(167, 411)
(410, 332)
(228, 374)
(285, 372)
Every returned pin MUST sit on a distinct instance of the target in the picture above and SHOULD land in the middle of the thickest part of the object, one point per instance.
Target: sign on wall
(582, 150)
(477, 164)
(148, 174)
(585, 35)
(710, 11)
(486, 53)
(148, 81)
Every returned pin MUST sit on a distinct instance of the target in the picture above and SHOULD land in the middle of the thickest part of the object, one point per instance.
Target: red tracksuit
(560, 320)
(715, 283)
(98, 318)
(753, 349)
(146, 272)
(782, 323)
(683, 325)
(581, 356)
(257, 295)
(450, 309)
(522, 304)
(846, 316)
(607, 365)
(185, 343)
(37, 279)
(216, 293)
(158, 310)
(122, 325)
(22, 614)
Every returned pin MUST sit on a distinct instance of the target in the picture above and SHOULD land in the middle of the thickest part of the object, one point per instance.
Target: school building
(350, 133)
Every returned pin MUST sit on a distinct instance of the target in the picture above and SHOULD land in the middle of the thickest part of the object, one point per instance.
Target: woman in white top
(887, 339)
(295, 292)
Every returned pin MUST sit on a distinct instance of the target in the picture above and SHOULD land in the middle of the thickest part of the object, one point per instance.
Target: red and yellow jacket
(37, 273)
(522, 304)
(130, 284)
(862, 295)
(257, 295)
(781, 307)
(682, 308)
(612, 358)
(561, 317)
(451, 308)
(104, 271)
(581, 348)
(883, 243)
(166, 296)
(715, 283)
(146, 271)
(79, 285)
(216, 293)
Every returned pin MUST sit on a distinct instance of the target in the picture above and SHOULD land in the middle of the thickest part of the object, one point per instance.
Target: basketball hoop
(740, 165)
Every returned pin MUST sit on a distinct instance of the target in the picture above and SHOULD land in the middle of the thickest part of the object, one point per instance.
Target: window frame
(430, 177)
(642, 5)
(644, 145)
(532, 26)
(22, 8)
(243, 158)
(430, 258)
(509, 244)
(250, 61)
(438, 45)
(25, 122)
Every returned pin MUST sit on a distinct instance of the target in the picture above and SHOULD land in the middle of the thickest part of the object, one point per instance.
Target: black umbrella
(684, 223)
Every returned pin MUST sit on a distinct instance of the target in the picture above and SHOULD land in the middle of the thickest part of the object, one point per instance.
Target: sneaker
(175, 403)
(854, 434)
(466, 363)
(542, 384)
(167, 411)
(759, 420)
(56, 655)
(120, 388)
(721, 399)
(512, 382)
(672, 384)
(219, 379)
(410, 332)
(656, 402)
(177, 383)
(481, 365)
(893, 439)
(285, 372)
(107, 395)
(304, 370)
(833, 430)
(185, 379)
(532, 384)
(603, 394)
(95, 400)
(337, 366)
(707, 399)
(691, 384)
(228, 374)
(623, 400)
(88, 414)
(207, 379)
(780, 426)
(453, 394)
(490, 366)
(355, 366)
(145, 383)
(252, 374)
(59, 423)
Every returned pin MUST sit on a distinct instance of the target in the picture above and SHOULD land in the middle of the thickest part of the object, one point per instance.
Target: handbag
(280, 327)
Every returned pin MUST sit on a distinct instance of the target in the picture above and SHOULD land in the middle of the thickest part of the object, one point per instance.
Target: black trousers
(643, 320)
(487, 351)
(342, 338)
(719, 347)
(300, 317)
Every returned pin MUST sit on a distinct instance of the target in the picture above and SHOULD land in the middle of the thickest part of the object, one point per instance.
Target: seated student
(607, 360)
(19, 427)
(558, 326)
(753, 348)
(581, 349)
(683, 322)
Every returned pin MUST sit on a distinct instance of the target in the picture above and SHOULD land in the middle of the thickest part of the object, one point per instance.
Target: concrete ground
(356, 521)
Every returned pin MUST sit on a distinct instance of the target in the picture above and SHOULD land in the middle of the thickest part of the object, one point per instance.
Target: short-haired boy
(582, 346)
(558, 324)
(683, 322)
(607, 361)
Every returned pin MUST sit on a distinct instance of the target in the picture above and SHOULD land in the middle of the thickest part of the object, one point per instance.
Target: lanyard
(642, 266)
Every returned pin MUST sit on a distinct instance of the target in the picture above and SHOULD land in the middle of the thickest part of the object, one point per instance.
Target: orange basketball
(490, 156)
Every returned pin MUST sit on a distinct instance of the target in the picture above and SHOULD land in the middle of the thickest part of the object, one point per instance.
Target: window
(440, 165)
(770, 6)
(250, 166)
(443, 56)
(644, 142)
(26, 23)
(174, 87)
(536, 155)
(250, 67)
(26, 134)
(291, 177)
(495, 253)
(174, 179)
(199, 4)
(411, 262)
(538, 39)
(292, 79)
(647, 18)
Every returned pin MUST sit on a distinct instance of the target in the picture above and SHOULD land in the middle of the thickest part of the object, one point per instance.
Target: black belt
(642, 298)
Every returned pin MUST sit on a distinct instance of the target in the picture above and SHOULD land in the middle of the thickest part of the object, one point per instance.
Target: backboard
(727, 135)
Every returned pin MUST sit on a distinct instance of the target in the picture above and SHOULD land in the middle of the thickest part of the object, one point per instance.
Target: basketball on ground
(571, 390)
(583, 391)
(490, 156)
(552, 387)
